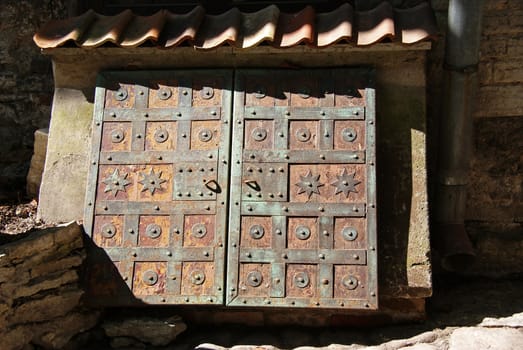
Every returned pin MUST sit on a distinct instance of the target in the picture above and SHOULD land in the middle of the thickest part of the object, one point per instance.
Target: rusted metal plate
(302, 229)
(156, 204)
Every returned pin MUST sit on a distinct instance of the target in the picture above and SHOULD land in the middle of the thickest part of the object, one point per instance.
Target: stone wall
(495, 193)
(40, 292)
(26, 87)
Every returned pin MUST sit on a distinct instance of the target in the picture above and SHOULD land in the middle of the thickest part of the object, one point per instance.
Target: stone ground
(464, 313)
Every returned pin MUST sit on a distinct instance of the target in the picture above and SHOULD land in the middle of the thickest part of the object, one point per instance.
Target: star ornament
(151, 181)
(115, 182)
(346, 183)
(309, 184)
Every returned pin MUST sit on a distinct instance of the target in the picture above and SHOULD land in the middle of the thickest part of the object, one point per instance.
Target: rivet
(224, 161)
(355, 209)
(372, 205)
(225, 121)
(322, 156)
(355, 112)
(321, 256)
(179, 194)
(141, 92)
(98, 123)
(188, 194)
(213, 113)
(325, 232)
(271, 170)
(109, 158)
(169, 254)
(280, 194)
(186, 300)
(248, 255)
(94, 163)
(356, 257)
(259, 195)
(205, 253)
(287, 113)
(207, 208)
(159, 157)
(105, 208)
(252, 156)
(317, 303)
(138, 136)
(342, 304)
(322, 113)
(90, 203)
(286, 156)
(372, 248)
(134, 254)
(253, 112)
(367, 305)
(244, 301)
(248, 194)
(326, 134)
(321, 209)
(284, 256)
(112, 114)
(267, 302)
(156, 207)
(131, 231)
(373, 294)
(293, 302)
(209, 156)
(278, 232)
(125, 278)
(234, 245)
(325, 281)
(184, 135)
(233, 289)
(185, 92)
(146, 115)
(177, 231)
(271, 195)
(173, 278)
(371, 163)
(179, 114)
(280, 134)
(199, 193)
(163, 300)
(276, 280)
(285, 209)
(281, 170)
(239, 121)
(371, 122)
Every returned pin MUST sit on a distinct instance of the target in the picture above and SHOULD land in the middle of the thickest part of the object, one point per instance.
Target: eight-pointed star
(309, 184)
(115, 182)
(151, 181)
(346, 183)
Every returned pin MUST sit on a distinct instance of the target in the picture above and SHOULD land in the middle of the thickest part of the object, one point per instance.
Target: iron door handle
(252, 184)
(213, 186)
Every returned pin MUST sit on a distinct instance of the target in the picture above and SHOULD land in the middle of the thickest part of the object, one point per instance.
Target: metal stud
(117, 135)
(108, 231)
(350, 282)
(301, 279)
(161, 135)
(205, 135)
(254, 279)
(199, 230)
(150, 277)
(259, 134)
(302, 232)
(349, 233)
(153, 231)
(197, 277)
(256, 231)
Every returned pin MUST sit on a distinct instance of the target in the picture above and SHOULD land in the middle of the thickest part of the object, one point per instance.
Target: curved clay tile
(179, 28)
(415, 24)
(57, 33)
(334, 26)
(142, 28)
(106, 29)
(375, 24)
(259, 26)
(217, 30)
(294, 28)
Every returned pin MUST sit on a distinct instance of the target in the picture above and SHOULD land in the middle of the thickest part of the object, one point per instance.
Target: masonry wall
(26, 87)
(494, 214)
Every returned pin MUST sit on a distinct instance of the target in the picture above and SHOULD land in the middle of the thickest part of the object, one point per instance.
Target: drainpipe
(456, 129)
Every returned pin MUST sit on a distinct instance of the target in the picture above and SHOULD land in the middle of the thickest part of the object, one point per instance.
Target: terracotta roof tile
(244, 30)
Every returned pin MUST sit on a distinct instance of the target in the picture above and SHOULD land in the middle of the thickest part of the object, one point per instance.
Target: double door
(243, 188)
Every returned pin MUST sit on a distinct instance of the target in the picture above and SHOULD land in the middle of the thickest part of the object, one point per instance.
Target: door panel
(157, 200)
(302, 223)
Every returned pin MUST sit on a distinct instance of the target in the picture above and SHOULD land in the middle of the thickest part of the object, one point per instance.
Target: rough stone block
(47, 308)
(503, 22)
(155, 331)
(57, 265)
(500, 101)
(486, 338)
(515, 321)
(45, 283)
(508, 71)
